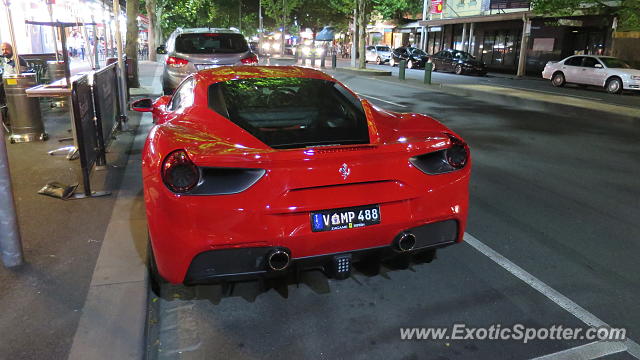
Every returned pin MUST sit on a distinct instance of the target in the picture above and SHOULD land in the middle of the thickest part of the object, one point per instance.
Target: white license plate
(206, 66)
(345, 218)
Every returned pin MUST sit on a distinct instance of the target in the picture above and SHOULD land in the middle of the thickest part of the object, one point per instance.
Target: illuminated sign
(437, 6)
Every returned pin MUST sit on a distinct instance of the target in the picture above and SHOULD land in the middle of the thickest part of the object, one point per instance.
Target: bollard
(10, 243)
(322, 61)
(334, 61)
(402, 66)
(428, 68)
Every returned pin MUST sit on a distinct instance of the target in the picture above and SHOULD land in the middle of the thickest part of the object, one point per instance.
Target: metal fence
(107, 108)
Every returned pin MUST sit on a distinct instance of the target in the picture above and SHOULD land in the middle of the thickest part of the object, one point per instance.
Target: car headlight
(443, 161)
(635, 77)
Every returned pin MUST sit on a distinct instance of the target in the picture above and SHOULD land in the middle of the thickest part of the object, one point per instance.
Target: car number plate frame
(345, 218)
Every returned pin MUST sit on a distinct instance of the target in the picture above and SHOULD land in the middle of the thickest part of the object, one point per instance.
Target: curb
(364, 72)
(112, 324)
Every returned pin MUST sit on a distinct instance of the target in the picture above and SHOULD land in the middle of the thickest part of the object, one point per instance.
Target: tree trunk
(151, 12)
(364, 11)
(132, 41)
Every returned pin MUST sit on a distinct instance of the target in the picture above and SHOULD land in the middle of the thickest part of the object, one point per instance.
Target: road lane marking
(546, 92)
(564, 302)
(594, 350)
(387, 101)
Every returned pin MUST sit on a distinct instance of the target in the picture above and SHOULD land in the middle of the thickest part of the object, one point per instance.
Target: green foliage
(316, 14)
(627, 11)
(397, 9)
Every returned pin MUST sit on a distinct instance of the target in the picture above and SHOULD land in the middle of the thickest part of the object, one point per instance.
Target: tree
(627, 11)
(151, 6)
(316, 14)
(364, 14)
(397, 9)
(132, 39)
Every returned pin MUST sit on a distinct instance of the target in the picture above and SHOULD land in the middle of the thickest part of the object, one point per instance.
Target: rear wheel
(558, 79)
(411, 64)
(614, 86)
(433, 66)
(392, 62)
(156, 280)
(458, 69)
(378, 60)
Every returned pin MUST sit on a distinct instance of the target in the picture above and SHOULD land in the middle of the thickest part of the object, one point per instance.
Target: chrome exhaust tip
(405, 242)
(278, 260)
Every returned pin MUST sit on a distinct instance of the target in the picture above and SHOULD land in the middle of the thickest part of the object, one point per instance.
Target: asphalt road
(554, 194)
(530, 83)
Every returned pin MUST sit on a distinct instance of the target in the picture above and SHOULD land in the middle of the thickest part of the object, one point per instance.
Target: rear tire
(558, 80)
(156, 280)
(411, 64)
(378, 60)
(458, 69)
(614, 85)
(392, 62)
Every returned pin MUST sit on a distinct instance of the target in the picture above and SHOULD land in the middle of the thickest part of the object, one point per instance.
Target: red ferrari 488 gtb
(254, 172)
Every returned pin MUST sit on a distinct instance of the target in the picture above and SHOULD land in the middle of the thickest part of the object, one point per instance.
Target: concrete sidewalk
(113, 319)
(82, 289)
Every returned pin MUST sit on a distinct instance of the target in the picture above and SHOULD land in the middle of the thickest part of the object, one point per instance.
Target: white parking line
(564, 302)
(593, 350)
(375, 98)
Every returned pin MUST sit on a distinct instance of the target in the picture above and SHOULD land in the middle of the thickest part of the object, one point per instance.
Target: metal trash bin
(55, 70)
(24, 112)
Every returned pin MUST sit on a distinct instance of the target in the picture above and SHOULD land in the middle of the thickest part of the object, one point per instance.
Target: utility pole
(284, 19)
(12, 35)
(354, 38)
(524, 42)
(10, 241)
(123, 69)
(260, 17)
(423, 36)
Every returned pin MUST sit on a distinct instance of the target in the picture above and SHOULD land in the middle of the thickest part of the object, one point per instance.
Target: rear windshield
(383, 48)
(210, 43)
(287, 113)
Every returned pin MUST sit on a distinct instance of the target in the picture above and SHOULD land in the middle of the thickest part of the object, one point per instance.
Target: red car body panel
(275, 211)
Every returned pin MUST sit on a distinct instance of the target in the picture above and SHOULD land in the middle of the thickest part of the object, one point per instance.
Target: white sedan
(611, 73)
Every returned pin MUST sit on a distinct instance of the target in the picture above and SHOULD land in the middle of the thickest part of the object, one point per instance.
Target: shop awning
(477, 19)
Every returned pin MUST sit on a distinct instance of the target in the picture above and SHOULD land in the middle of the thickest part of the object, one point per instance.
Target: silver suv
(191, 50)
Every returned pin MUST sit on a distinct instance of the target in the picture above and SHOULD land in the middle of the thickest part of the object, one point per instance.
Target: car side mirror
(161, 50)
(598, 66)
(142, 105)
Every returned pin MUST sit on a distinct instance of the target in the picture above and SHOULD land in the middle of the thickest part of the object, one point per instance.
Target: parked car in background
(613, 74)
(379, 54)
(415, 57)
(191, 50)
(459, 62)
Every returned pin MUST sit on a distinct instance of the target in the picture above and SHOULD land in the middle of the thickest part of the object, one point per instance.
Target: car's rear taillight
(176, 61)
(453, 158)
(458, 154)
(179, 173)
(250, 60)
